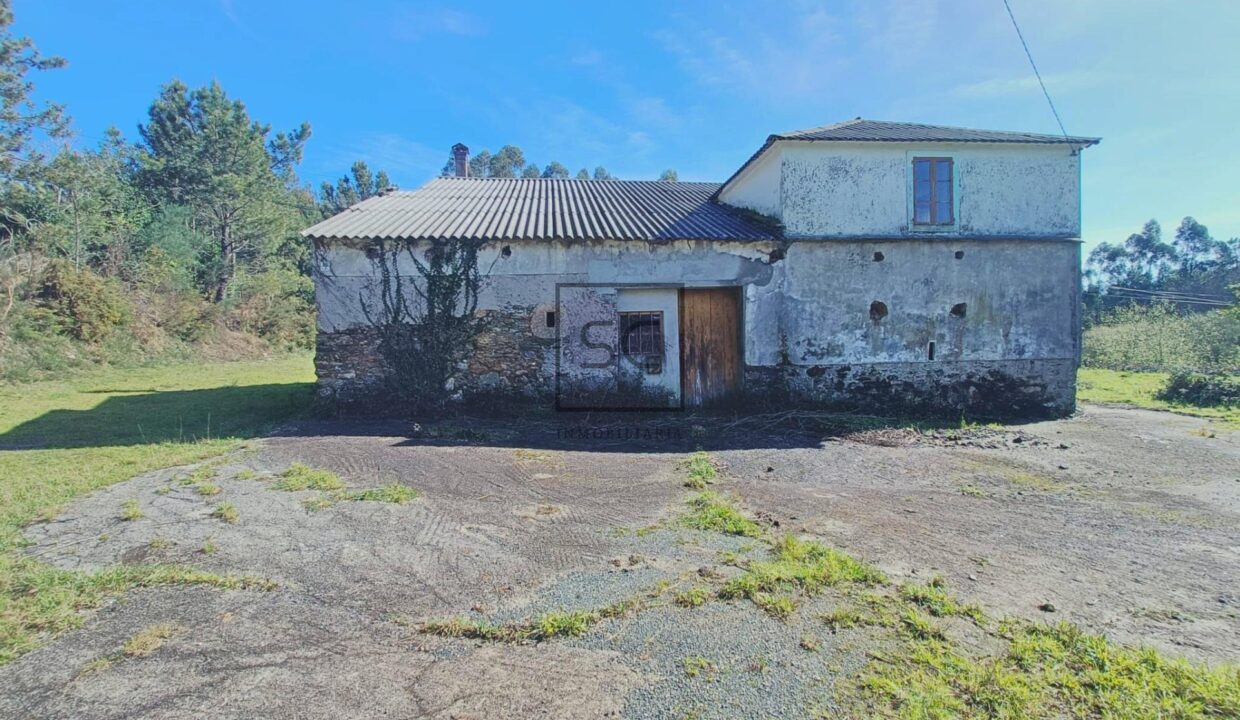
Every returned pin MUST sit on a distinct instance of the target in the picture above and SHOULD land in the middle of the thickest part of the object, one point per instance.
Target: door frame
(738, 290)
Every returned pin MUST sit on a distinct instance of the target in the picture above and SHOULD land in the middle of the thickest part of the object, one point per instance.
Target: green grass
(701, 471)
(1139, 389)
(691, 598)
(227, 512)
(149, 640)
(131, 510)
(37, 600)
(299, 476)
(549, 625)
(1046, 671)
(937, 601)
(393, 493)
(708, 510)
(797, 566)
(695, 665)
(557, 623)
(144, 644)
(60, 439)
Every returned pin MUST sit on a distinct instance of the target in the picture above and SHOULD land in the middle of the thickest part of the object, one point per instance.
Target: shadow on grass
(165, 416)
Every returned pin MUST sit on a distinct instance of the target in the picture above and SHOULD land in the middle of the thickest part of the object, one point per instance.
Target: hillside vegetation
(1162, 322)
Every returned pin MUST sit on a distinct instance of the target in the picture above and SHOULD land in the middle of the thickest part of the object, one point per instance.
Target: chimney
(460, 155)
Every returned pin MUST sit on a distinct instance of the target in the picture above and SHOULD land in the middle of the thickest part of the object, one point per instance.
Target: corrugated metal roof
(861, 130)
(545, 209)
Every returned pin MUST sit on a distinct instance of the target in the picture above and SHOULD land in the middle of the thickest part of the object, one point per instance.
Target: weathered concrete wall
(865, 190)
(1019, 296)
(807, 316)
(758, 187)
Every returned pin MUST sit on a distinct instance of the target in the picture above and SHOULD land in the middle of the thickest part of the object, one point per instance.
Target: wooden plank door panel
(710, 344)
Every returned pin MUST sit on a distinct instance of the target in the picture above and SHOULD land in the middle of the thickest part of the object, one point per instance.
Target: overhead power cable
(1176, 294)
(1034, 65)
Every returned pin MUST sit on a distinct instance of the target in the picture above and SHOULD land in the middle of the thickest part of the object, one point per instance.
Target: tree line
(131, 250)
(510, 162)
(1192, 271)
(187, 235)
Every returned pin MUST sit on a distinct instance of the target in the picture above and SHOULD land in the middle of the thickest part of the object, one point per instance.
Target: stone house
(866, 263)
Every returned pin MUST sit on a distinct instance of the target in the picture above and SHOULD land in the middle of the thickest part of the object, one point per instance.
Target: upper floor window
(932, 191)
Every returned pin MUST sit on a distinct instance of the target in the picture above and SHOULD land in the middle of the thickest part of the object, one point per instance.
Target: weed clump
(696, 665)
(393, 493)
(149, 640)
(1046, 671)
(131, 510)
(691, 598)
(801, 565)
(937, 601)
(708, 510)
(225, 511)
(702, 471)
(299, 476)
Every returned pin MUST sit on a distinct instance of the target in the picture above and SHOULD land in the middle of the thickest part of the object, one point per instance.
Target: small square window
(641, 333)
(932, 191)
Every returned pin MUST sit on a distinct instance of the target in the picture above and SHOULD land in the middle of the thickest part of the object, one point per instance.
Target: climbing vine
(426, 323)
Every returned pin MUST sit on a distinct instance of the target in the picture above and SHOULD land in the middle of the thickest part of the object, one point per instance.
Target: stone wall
(349, 365)
(508, 358)
(997, 388)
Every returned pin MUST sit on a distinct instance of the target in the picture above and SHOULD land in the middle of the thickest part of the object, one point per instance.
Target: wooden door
(710, 344)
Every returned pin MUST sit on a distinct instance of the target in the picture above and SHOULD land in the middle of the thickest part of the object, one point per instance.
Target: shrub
(1204, 390)
(185, 315)
(80, 302)
(1160, 338)
(277, 305)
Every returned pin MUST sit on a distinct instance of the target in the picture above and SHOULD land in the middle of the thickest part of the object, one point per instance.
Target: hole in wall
(930, 352)
(506, 251)
(775, 256)
(959, 309)
(550, 318)
(878, 257)
(960, 254)
(372, 253)
(878, 311)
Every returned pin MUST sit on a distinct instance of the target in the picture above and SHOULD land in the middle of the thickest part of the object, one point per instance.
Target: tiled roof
(860, 130)
(545, 209)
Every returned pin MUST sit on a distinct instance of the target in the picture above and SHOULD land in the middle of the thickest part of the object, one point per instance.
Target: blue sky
(642, 86)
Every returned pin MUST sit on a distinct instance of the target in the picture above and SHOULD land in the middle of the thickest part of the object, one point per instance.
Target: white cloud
(409, 163)
(413, 24)
(556, 128)
(781, 55)
(1064, 82)
(229, 8)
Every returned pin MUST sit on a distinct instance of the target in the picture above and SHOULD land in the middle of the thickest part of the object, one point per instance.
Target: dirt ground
(1126, 522)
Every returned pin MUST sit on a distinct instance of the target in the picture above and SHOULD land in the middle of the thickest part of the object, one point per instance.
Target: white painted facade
(841, 190)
